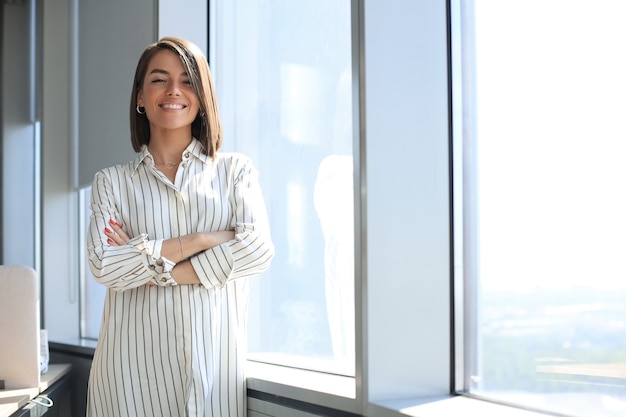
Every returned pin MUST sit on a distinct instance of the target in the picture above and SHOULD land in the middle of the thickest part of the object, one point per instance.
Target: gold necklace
(167, 165)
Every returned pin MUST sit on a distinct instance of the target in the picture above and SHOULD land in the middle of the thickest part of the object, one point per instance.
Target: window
(544, 211)
(92, 293)
(403, 259)
(283, 72)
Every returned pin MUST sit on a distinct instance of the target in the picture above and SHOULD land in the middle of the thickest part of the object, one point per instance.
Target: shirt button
(186, 154)
(152, 267)
(163, 279)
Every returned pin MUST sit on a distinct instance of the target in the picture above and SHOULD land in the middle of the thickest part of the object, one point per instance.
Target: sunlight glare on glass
(551, 104)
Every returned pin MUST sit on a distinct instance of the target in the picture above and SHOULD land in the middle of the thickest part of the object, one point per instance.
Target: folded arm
(177, 250)
(251, 250)
(121, 261)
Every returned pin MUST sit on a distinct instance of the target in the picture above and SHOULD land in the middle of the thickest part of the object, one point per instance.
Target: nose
(173, 90)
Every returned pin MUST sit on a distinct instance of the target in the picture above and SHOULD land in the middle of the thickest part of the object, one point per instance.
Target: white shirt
(175, 350)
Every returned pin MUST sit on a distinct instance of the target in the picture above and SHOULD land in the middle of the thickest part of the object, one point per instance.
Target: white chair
(19, 328)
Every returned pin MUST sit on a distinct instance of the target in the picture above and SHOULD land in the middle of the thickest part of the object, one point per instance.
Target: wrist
(182, 249)
(196, 242)
(183, 274)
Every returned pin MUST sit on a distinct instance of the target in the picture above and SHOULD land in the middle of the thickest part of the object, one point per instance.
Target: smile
(173, 106)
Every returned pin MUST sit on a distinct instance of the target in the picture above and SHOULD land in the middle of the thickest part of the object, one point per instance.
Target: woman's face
(167, 94)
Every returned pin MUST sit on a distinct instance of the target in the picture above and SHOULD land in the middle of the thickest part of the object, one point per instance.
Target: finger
(112, 237)
(120, 232)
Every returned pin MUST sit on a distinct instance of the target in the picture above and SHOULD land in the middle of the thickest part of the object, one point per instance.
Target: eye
(158, 80)
(187, 82)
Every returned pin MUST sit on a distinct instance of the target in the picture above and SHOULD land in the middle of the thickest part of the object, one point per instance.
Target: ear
(140, 99)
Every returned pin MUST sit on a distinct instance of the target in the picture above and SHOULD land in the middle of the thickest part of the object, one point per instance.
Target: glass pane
(283, 73)
(545, 206)
(92, 293)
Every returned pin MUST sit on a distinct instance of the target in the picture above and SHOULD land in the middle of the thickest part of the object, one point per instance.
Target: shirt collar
(194, 148)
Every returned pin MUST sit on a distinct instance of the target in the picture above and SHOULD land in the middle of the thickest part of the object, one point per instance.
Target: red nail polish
(107, 231)
(110, 241)
(113, 222)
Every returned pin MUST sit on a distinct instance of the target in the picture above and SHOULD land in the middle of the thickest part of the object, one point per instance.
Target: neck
(168, 148)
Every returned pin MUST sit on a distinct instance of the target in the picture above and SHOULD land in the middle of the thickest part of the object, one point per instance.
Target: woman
(173, 235)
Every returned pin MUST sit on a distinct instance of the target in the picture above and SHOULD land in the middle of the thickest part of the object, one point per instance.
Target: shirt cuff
(160, 266)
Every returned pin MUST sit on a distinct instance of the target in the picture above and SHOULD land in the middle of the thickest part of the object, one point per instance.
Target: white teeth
(172, 106)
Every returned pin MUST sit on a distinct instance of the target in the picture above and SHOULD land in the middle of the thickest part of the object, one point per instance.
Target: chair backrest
(19, 328)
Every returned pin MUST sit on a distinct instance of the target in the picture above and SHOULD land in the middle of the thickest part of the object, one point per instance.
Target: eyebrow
(162, 71)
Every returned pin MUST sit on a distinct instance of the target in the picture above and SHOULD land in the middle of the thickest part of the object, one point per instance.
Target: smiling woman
(173, 236)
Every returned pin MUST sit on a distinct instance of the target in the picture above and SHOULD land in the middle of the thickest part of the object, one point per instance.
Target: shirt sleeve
(137, 262)
(251, 251)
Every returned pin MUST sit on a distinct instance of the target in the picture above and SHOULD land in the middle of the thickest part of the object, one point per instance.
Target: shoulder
(235, 165)
(115, 172)
(233, 161)
(232, 158)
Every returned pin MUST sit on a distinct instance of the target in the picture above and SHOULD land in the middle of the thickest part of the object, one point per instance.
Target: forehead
(166, 60)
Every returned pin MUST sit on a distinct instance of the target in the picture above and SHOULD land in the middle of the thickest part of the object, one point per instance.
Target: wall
(19, 136)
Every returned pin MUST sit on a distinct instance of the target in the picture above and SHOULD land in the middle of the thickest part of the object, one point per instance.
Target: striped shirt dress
(175, 350)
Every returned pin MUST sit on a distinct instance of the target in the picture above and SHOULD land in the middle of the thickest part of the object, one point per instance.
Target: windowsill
(339, 392)
(83, 347)
(459, 406)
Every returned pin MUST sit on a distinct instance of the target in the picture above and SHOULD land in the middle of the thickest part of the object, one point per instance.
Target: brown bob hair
(206, 127)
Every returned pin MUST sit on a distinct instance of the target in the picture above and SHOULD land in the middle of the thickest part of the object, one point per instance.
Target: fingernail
(107, 230)
(110, 240)
(113, 222)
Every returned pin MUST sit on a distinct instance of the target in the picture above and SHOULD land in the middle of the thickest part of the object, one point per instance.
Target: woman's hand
(116, 235)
